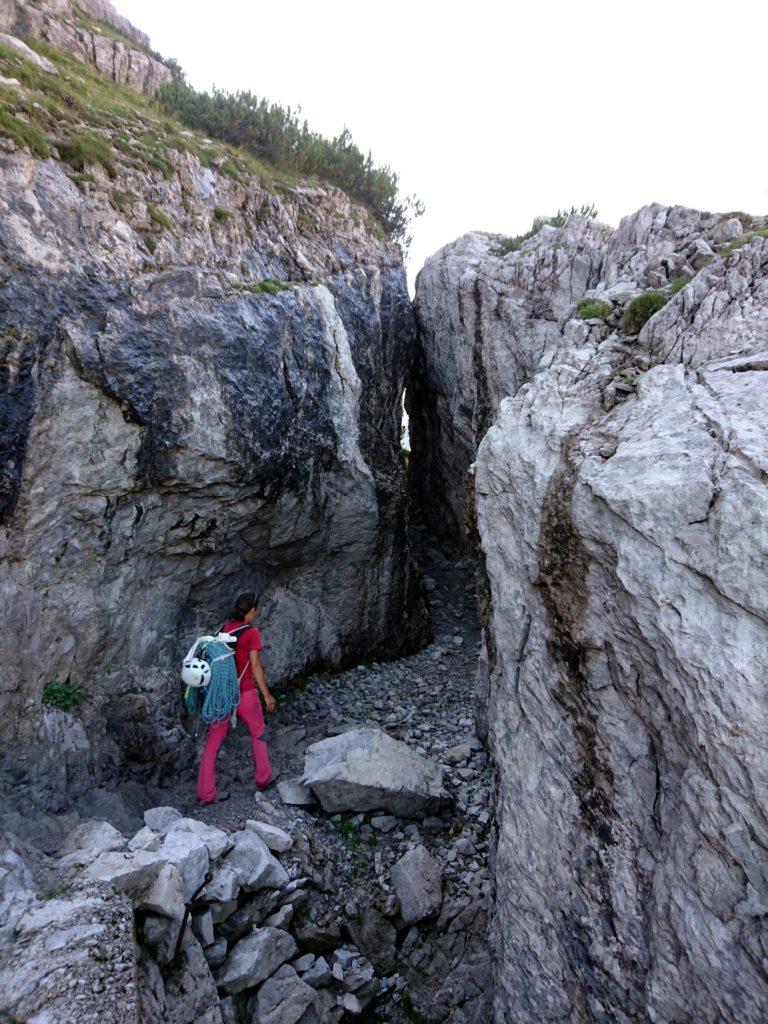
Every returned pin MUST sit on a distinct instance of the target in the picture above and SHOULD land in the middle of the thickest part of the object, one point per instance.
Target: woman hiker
(250, 671)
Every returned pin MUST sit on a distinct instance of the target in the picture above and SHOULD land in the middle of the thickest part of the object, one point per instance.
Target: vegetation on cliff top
(89, 119)
(509, 243)
(277, 135)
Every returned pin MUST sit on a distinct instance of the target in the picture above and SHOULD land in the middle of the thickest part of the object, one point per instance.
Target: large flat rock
(367, 770)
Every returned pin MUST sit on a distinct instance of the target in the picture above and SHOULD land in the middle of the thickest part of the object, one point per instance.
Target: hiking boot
(219, 798)
(272, 778)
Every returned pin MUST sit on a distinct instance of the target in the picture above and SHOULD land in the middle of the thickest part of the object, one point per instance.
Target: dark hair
(243, 604)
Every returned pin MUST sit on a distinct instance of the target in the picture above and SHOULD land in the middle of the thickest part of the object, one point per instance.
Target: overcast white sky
(494, 114)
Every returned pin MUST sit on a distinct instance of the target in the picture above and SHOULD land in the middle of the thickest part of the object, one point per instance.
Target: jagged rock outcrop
(618, 503)
(202, 385)
(92, 31)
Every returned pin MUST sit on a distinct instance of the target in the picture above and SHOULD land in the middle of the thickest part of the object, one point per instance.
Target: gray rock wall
(620, 508)
(59, 23)
(171, 438)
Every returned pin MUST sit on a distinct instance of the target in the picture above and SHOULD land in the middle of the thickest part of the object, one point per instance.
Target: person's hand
(270, 703)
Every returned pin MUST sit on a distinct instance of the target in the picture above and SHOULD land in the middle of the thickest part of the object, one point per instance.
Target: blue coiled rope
(221, 696)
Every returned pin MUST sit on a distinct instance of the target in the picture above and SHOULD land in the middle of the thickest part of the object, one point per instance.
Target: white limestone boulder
(252, 864)
(254, 958)
(367, 770)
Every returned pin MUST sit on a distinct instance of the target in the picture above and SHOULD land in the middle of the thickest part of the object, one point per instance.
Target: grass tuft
(85, 148)
(678, 283)
(641, 309)
(61, 695)
(159, 217)
(592, 309)
(737, 243)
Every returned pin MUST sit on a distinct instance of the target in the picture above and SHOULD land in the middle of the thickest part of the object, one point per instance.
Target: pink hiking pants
(248, 711)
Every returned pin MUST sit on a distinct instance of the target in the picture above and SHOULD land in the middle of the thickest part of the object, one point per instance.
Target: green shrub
(678, 283)
(641, 309)
(278, 134)
(82, 178)
(159, 217)
(61, 695)
(219, 213)
(86, 148)
(737, 243)
(149, 240)
(592, 309)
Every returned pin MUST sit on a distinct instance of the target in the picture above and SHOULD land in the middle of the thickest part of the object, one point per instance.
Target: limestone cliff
(618, 503)
(202, 375)
(93, 32)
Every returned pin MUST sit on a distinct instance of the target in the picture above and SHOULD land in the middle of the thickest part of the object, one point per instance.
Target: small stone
(384, 823)
(319, 974)
(276, 839)
(352, 1004)
(294, 793)
(303, 963)
(458, 754)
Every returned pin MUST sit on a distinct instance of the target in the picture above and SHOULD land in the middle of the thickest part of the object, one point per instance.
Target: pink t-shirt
(249, 640)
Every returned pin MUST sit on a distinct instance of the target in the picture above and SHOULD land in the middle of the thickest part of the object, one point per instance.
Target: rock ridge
(618, 508)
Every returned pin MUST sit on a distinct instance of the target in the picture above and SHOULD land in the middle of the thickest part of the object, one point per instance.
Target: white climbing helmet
(195, 672)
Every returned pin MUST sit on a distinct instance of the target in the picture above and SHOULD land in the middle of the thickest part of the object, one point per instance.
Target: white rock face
(366, 770)
(622, 522)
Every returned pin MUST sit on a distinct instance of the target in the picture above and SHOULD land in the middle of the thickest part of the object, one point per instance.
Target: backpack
(212, 686)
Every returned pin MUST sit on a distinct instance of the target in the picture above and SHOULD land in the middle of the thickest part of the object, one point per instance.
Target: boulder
(216, 841)
(417, 879)
(254, 958)
(458, 754)
(252, 863)
(277, 839)
(365, 770)
(49, 973)
(190, 856)
(283, 998)
(160, 819)
(165, 895)
(225, 884)
(87, 841)
(132, 873)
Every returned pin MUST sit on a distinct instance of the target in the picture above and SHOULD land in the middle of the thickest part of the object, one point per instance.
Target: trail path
(425, 700)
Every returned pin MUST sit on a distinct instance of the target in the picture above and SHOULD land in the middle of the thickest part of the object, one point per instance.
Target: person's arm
(261, 681)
